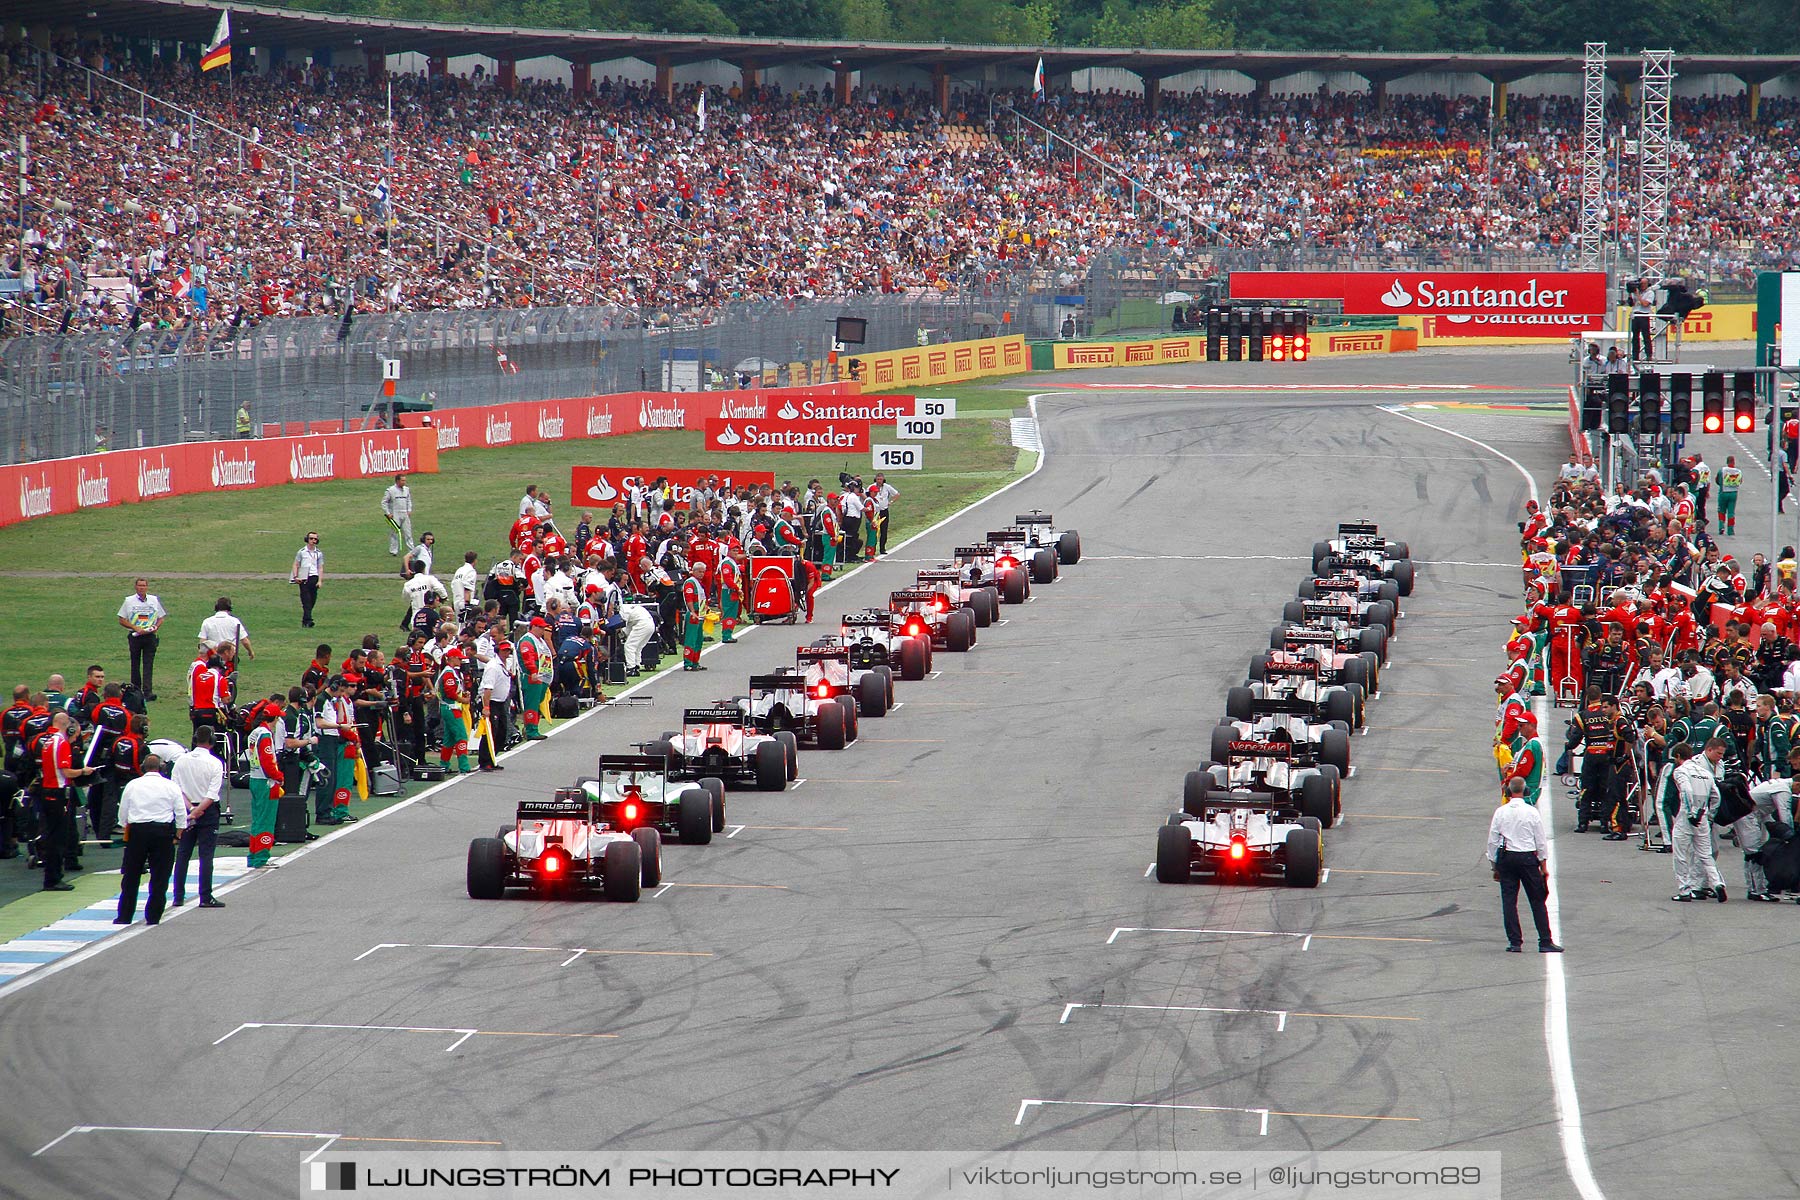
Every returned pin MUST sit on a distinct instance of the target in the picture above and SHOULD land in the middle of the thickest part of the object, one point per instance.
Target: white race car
(1340, 621)
(874, 638)
(1360, 548)
(984, 565)
(1015, 546)
(565, 845)
(820, 714)
(1320, 646)
(1316, 743)
(923, 612)
(848, 673)
(1040, 529)
(1358, 604)
(982, 600)
(1299, 677)
(720, 743)
(1246, 832)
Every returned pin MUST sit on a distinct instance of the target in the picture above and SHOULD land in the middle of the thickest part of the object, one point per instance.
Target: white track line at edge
(1556, 988)
(127, 933)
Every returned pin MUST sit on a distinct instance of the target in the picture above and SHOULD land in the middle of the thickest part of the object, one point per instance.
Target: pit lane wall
(1151, 352)
(66, 485)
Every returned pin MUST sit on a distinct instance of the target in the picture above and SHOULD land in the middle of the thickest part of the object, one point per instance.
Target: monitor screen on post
(852, 330)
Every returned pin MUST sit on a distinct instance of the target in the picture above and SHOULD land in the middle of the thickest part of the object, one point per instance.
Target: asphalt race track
(951, 920)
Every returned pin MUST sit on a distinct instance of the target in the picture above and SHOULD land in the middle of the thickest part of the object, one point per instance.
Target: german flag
(218, 51)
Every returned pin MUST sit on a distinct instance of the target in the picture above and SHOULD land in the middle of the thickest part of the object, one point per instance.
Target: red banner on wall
(1558, 327)
(801, 436)
(608, 485)
(1472, 293)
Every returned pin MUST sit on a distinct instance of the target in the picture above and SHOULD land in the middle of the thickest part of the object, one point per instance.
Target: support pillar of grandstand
(437, 67)
(1499, 105)
(375, 60)
(1260, 97)
(582, 77)
(1378, 92)
(1152, 94)
(1753, 98)
(940, 88)
(840, 85)
(508, 75)
(665, 78)
(752, 71)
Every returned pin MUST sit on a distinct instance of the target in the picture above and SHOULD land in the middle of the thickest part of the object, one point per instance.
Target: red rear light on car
(939, 603)
(629, 811)
(554, 864)
(915, 627)
(822, 691)
(1238, 849)
(1005, 564)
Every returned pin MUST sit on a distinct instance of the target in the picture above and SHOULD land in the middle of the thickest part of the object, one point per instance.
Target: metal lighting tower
(1593, 158)
(1653, 165)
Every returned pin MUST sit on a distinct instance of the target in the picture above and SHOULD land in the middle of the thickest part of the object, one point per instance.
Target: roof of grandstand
(193, 21)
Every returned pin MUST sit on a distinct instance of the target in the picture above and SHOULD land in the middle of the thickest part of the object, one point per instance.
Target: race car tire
(694, 816)
(1307, 590)
(1238, 702)
(1068, 547)
(1258, 669)
(1174, 854)
(1305, 855)
(1337, 785)
(504, 830)
(1334, 750)
(1294, 611)
(959, 632)
(872, 695)
(983, 606)
(915, 658)
(715, 791)
(1403, 577)
(1374, 661)
(622, 872)
(1398, 550)
(771, 767)
(1278, 636)
(1043, 567)
(1321, 552)
(852, 715)
(1316, 800)
(663, 747)
(487, 868)
(790, 749)
(886, 675)
(1356, 671)
(1215, 772)
(1373, 640)
(1358, 696)
(1390, 591)
(1340, 705)
(832, 726)
(1194, 787)
(649, 844)
(1222, 737)
(671, 736)
(1311, 823)
(1380, 613)
(1014, 587)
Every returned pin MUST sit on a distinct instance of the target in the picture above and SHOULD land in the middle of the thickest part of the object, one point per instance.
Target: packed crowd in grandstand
(301, 195)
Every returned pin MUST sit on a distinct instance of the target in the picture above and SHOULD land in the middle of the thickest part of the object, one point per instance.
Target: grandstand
(171, 213)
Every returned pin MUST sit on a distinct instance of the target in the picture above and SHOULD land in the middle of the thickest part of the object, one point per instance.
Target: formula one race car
(1297, 677)
(853, 669)
(566, 844)
(1346, 592)
(1014, 546)
(820, 715)
(719, 743)
(1320, 646)
(874, 637)
(1360, 548)
(983, 564)
(1040, 531)
(1316, 743)
(982, 600)
(1366, 587)
(924, 613)
(1246, 832)
(636, 790)
(1323, 616)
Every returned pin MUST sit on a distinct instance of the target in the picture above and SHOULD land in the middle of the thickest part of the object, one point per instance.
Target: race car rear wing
(1326, 608)
(1005, 536)
(1298, 635)
(1264, 706)
(1338, 583)
(1035, 518)
(1243, 750)
(940, 576)
(713, 716)
(911, 596)
(563, 808)
(813, 654)
(868, 618)
(631, 763)
(783, 682)
(1306, 668)
(984, 550)
(1350, 529)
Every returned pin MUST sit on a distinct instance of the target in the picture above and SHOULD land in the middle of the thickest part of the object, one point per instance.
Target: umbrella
(754, 366)
(1175, 298)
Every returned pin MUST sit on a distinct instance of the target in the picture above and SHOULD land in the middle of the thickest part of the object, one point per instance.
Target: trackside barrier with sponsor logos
(948, 363)
(609, 485)
(68, 485)
(1714, 323)
(1174, 350)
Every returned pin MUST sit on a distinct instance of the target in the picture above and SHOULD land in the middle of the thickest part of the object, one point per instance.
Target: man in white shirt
(1519, 847)
(1697, 781)
(496, 705)
(423, 552)
(308, 572)
(200, 775)
(528, 502)
(420, 585)
(396, 509)
(152, 812)
(465, 587)
(853, 506)
(142, 615)
(224, 629)
(882, 495)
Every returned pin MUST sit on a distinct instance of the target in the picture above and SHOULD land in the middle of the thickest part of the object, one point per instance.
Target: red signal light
(1278, 354)
(1238, 849)
(1714, 423)
(1746, 422)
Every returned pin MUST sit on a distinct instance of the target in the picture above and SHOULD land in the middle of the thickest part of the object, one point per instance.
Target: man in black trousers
(152, 812)
(1519, 848)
